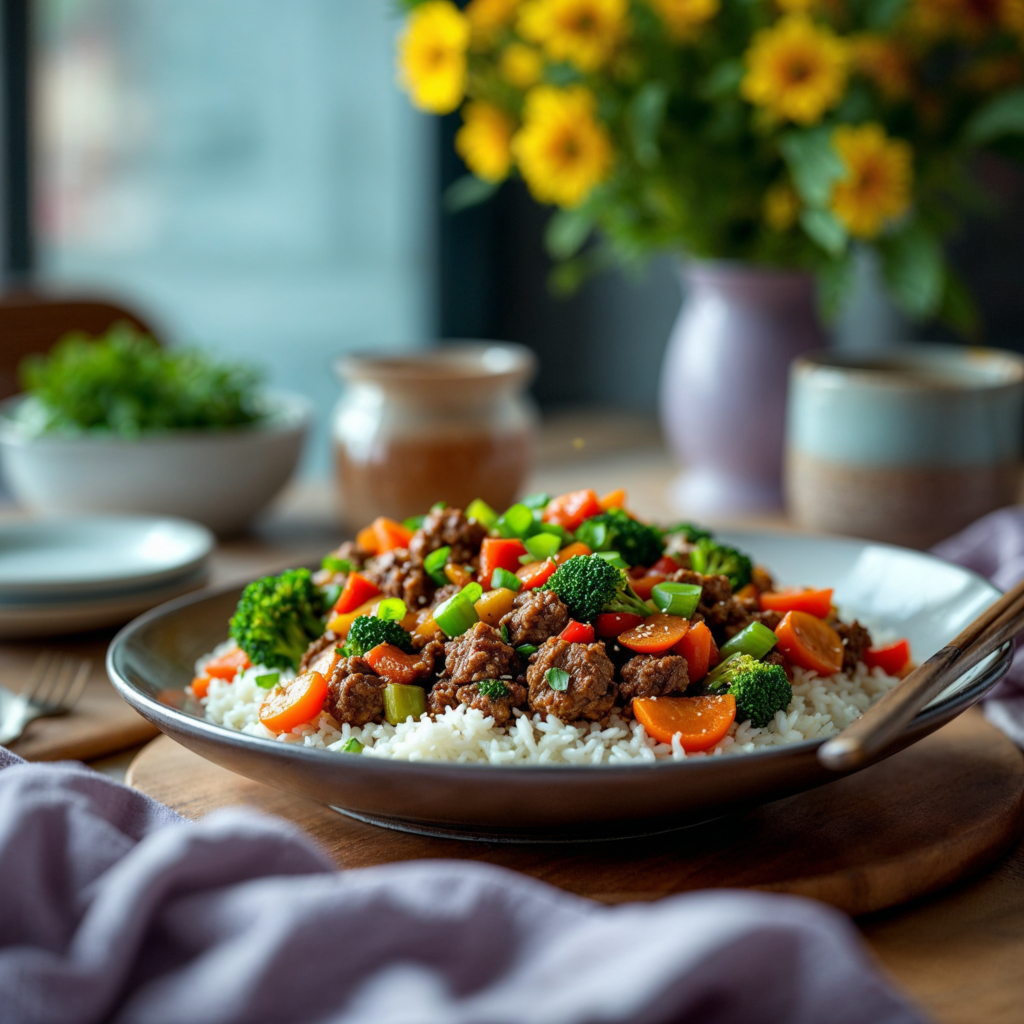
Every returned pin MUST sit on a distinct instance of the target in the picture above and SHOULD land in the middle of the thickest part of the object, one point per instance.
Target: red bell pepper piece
(357, 591)
(664, 566)
(814, 602)
(569, 510)
(613, 623)
(577, 633)
(891, 659)
(499, 553)
(536, 574)
(645, 584)
(695, 647)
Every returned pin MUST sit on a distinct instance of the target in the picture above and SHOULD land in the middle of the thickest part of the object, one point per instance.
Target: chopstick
(862, 740)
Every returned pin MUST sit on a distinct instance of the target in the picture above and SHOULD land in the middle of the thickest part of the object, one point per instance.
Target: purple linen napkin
(112, 908)
(994, 548)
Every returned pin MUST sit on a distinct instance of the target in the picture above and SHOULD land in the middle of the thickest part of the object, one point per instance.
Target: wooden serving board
(919, 821)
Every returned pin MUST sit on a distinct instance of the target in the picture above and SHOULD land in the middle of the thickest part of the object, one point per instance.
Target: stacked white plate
(71, 574)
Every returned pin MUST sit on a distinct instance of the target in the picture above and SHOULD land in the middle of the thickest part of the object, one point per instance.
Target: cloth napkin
(994, 548)
(114, 909)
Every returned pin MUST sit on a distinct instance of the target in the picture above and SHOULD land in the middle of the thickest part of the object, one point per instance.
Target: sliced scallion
(614, 558)
(439, 506)
(756, 640)
(455, 615)
(543, 545)
(335, 564)
(515, 521)
(503, 578)
(413, 522)
(677, 598)
(392, 608)
(352, 746)
(482, 512)
(539, 500)
(525, 650)
(434, 565)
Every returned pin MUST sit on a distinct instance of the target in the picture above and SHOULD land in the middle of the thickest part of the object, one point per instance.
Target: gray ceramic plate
(909, 593)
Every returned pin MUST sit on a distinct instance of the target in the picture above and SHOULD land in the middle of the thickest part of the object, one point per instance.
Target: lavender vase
(723, 383)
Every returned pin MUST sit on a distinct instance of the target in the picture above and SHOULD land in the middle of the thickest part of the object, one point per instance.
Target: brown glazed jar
(448, 424)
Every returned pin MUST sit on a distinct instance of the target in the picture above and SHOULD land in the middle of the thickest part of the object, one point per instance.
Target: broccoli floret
(760, 690)
(366, 632)
(714, 559)
(589, 585)
(691, 534)
(495, 689)
(278, 617)
(614, 530)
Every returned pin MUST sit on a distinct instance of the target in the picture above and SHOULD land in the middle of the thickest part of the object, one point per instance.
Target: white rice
(821, 707)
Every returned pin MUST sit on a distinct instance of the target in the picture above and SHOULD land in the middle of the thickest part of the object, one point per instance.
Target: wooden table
(960, 954)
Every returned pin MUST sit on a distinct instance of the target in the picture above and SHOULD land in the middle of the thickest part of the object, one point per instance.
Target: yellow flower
(485, 140)
(522, 65)
(884, 62)
(875, 188)
(432, 56)
(781, 206)
(685, 18)
(582, 32)
(488, 17)
(562, 149)
(796, 70)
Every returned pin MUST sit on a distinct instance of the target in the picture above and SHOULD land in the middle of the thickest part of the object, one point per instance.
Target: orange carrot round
(810, 642)
(655, 634)
(814, 602)
(294, 703)
(395, 665)
(699, 722)
(200, 687)
(227, 666)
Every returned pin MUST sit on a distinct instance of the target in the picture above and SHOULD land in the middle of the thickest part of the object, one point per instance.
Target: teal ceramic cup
(907, 446)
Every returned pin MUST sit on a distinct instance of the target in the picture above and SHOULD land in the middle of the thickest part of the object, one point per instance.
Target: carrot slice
(227, 666)
(577, 547)
(613, 499)
(655, 634)
(891, 659)
(569, 510)
(366, 538)
(395, 665)
(390, 534)
(814, 602)
(695, 647)
(613, 623)
(645, 584)
(357, 591)
(810, 642)
(536, 574)
(293, 703)
(200, 686)
(699, 722)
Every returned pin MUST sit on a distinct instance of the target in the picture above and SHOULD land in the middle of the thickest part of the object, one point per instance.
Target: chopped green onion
(439, 506)
(456, 615)
(756, 640)
(268, 681)
(392, 608)
(472, 592)
(413, 522)
(434, 565)
(482, 513)
(558, 678)
(402, 702)
(504, 633)
(503, 578)
(336, 564)
(526, 559)
(352, 746)
(539, 500)
(493, 688)
(614, 558)
(515, 522)
(543, 545)
(677, 598)
(559, 531)
(593, 534)
(525, 650)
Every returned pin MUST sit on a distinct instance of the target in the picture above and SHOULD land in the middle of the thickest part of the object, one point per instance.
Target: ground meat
(715, 595)
(856, 640)
(397, 575)
(354, 693)
(741, 615)
(327, 642)
(432, 652)
(535, 615)
(648, 675)
(479, 654)
(443, 593)
(448, 527)
(591, 692)
(352, 552)
(761, 578)
(449, 694)
(777, 658)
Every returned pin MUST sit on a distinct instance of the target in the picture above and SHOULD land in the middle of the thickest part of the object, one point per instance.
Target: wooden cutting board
(919, 821)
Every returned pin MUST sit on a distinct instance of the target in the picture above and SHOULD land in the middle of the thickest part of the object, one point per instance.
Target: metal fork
(53, 688)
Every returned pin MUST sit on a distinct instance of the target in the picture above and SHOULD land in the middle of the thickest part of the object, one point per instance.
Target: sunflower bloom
(685, 18)
(796, 70)
(485, 140)
(583, 32)
(781, 206)
(884, 63)
(488, 17)
(562, 149)
(432, 56)
(875, 188)
(521, 65)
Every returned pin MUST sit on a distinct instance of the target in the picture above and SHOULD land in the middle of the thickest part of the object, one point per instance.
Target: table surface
(959, 954)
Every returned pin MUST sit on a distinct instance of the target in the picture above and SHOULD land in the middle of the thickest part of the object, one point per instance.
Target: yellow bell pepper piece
(494, 605)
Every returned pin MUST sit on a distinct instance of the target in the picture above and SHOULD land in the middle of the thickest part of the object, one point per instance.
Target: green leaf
(1002, 115)
(469, 190)
(813, 164)
(268, 681)
(914, 269)
(644, 118)
(958, 309)
(567, 231)
(823, 228)
(835, 281)
(558, 678)
(883, 14)
(724, 79)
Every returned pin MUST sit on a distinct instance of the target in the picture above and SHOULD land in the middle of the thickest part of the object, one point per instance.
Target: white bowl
(220, 478)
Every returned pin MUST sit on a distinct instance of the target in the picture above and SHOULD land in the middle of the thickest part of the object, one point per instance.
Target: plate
(913, 594)
(83, 557)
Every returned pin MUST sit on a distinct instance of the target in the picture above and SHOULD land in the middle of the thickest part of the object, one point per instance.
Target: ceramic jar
(452, 423)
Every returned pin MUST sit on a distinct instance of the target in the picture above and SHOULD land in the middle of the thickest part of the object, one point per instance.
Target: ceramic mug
(907, 446)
